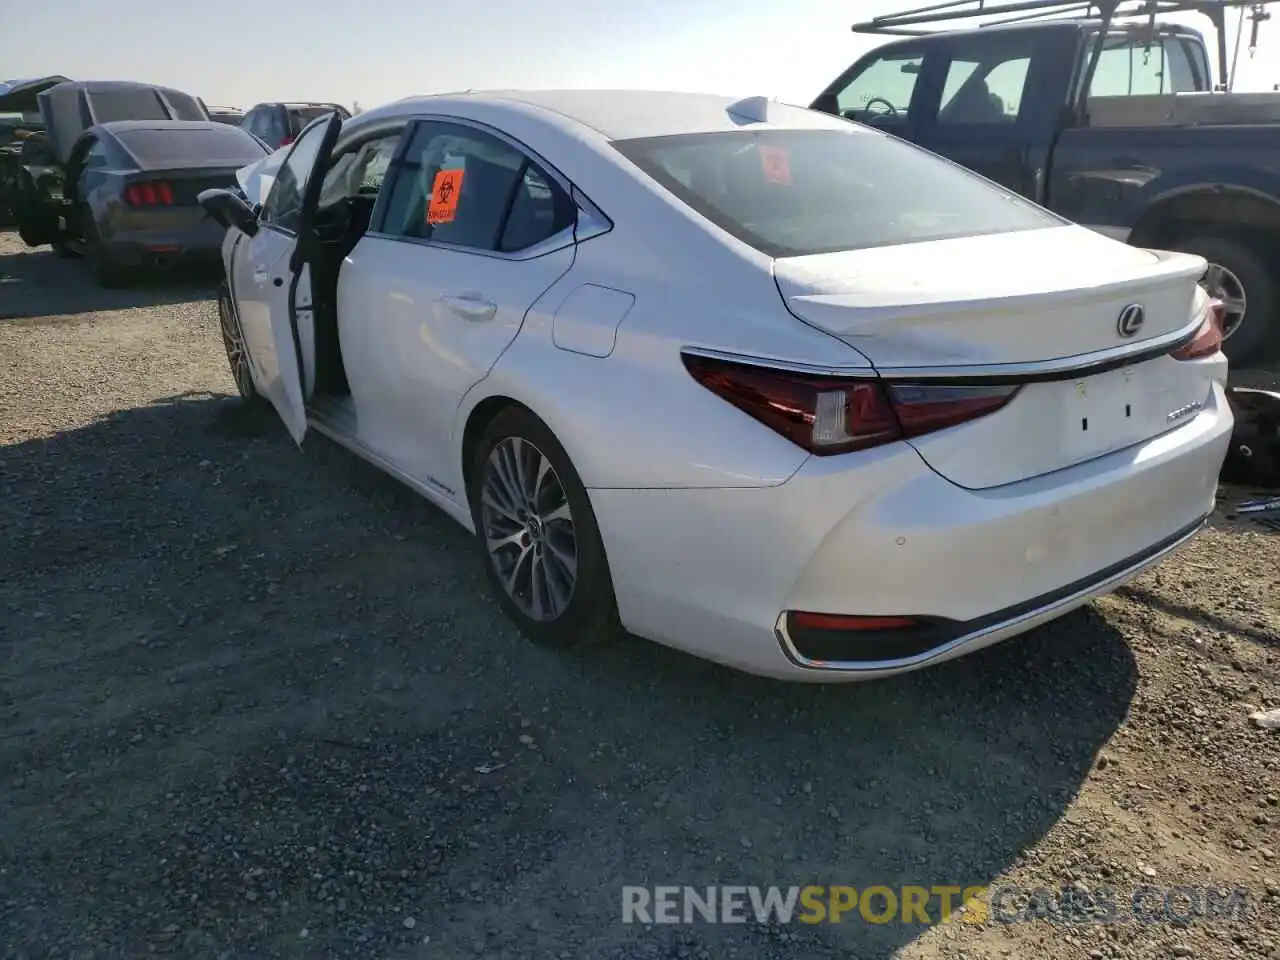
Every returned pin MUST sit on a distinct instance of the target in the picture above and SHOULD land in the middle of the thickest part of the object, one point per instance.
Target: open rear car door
(283, 278)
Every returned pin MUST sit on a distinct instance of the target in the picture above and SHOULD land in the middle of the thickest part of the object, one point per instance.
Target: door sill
(335, 417)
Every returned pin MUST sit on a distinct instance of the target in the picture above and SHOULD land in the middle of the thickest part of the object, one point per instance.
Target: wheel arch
(481, 415)
(1234, 211)
(485, 402)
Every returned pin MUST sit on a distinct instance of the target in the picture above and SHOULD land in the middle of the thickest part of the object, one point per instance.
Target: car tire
(60, 249)
(542, 530)
(233, 343)
(107, 272)
(1257, 334)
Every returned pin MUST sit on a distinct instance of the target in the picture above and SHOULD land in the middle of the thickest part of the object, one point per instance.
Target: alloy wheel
(233, 340)
(528, 529)
(1221, 284)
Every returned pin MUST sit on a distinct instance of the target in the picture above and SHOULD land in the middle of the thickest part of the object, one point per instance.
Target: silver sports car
(130, 192)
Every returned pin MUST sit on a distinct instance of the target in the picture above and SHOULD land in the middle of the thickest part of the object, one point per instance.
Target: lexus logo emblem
(1131, 320)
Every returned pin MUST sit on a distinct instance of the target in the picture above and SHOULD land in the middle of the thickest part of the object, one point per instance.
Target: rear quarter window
(108, 105)
(800, 192)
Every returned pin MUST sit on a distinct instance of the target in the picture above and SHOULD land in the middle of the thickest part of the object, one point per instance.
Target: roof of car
(615, 114)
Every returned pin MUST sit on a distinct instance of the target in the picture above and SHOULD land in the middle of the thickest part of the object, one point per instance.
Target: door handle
(260, 276)
(470, 306)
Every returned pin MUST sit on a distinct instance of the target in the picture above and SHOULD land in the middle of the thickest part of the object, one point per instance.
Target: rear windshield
(142, 103)
(216, 146)
(797, 192)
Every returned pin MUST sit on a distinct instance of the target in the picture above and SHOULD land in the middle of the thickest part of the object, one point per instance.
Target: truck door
(994, 114)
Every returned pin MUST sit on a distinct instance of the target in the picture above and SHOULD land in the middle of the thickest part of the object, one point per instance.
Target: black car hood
(19, 96)
(71, 108)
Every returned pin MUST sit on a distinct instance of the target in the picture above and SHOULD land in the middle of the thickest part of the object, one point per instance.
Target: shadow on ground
(259, 703)
(37, 283)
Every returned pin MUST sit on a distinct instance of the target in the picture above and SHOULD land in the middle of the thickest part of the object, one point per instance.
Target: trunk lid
(984, 306)
(71, 108)
(1010, 298)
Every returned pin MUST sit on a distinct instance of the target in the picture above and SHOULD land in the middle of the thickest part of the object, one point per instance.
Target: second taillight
(830, 415)
(1208, 339)
(150, 193)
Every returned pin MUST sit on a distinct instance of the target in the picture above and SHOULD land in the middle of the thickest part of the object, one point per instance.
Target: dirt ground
(256, 702)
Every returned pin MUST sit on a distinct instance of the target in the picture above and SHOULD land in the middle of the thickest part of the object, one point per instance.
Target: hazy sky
(238, 52)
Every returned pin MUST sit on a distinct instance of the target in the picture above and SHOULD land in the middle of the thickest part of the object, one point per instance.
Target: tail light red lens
(830, 415)
(286, 141)
(150, 193)
(1208, 339)
(837, 621)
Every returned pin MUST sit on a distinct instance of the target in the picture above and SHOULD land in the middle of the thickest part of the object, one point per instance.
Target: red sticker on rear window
(775, 163)
(444, 196)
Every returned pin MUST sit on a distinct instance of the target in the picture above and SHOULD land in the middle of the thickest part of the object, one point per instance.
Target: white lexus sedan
(741, 378)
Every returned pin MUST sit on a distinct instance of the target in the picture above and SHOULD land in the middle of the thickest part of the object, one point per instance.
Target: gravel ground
(257, 702)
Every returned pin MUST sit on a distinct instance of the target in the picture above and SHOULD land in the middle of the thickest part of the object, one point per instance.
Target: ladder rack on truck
(910, 23)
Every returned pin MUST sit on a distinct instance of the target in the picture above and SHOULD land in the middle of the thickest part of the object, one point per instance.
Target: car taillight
(286, 141)
(150, 193)
(830, 415)
(1208, 339)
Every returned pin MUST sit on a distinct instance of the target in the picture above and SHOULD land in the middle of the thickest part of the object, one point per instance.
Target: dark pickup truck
(1116, 126)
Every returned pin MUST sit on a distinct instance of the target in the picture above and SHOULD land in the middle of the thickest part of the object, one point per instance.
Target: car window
(299, 117)
(1132, 66)
(883, 87)
(359, 172)
(986, 79)
(540, 209)
(263, 127)
(799, 192)
(253, 123)
(461, 186)
(284, 203)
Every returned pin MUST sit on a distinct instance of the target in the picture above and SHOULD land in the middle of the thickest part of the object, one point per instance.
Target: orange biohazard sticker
(776, 165)
(443, 206)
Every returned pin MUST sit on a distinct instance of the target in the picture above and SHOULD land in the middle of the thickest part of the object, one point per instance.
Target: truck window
(986, 78)
(883, 87)
(1133, 67)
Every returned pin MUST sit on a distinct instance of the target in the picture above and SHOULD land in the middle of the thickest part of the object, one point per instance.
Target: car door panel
(419, 326)
(469, 234)
(273, 286)
(991, 111)
(273, 355)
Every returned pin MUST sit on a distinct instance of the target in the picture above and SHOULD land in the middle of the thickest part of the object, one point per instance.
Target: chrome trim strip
(557, 241)
(1061, 368)
(1075, 599)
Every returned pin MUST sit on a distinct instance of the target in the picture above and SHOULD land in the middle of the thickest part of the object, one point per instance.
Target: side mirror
(827, 103)
(229, 210)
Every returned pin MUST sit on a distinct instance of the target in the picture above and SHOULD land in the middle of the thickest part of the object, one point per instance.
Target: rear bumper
(715, 572)
(958, 638)
(168, 243)
(160, 255)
